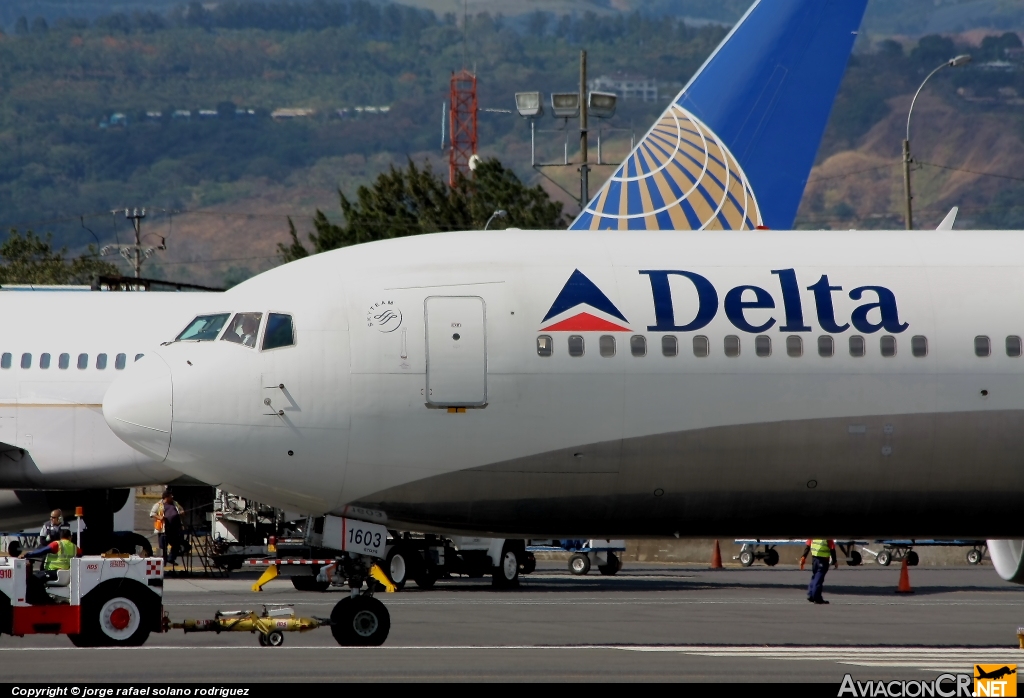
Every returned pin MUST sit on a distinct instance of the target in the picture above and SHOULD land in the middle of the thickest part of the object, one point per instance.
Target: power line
(852, 174)
(977, 172)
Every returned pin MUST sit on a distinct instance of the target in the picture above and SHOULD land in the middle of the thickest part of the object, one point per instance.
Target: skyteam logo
(681, 176)
(580, 292)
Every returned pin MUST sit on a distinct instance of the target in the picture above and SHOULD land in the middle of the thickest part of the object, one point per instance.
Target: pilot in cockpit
(244, 328)
(250, 326)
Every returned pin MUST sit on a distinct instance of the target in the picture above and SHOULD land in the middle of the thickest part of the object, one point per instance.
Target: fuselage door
(456, 351)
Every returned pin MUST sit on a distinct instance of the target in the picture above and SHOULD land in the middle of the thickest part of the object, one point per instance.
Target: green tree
(30, 259)
(416, 200)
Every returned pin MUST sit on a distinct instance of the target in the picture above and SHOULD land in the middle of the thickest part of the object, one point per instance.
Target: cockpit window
(204, 328)
(280, 332)
(243, 329)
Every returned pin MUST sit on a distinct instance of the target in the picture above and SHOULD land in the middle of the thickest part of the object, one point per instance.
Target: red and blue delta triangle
(579, 290)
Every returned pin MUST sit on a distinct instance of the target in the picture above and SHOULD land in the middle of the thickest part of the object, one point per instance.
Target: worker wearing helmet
(822, 552)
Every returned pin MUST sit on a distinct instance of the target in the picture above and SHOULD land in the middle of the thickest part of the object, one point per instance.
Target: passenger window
(119, 361)
(606, 345)
(83, 361)
(888, 345)
(5, 360)
(732, 346)
(919, 346)
(763, 345)
(669, 346)
(826, 347)
(1013, 346)
(44, 361)
(101, 361)
(280, 331)
(139, 356)
(63, 361)
(575, 345)
(243, 329)
(638, 345)
(701, 346)
(794, 346)
(857, 346)
(26, 361)
(982, 346)
(544, 345)
(203, 329)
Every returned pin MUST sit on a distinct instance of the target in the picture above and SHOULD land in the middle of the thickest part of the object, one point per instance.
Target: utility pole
(906, 185)
(135, 254)
(585, 167)
(136, 218)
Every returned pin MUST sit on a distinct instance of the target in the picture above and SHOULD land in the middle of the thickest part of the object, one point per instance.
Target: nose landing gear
(359, 620)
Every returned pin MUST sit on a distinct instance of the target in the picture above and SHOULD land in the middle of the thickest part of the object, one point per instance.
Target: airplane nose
(137, 406)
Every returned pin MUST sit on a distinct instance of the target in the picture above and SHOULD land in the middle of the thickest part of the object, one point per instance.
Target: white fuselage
(52, 432)
(385, 411)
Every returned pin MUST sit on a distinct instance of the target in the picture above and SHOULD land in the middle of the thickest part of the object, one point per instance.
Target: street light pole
(960, 60)
(585, 167)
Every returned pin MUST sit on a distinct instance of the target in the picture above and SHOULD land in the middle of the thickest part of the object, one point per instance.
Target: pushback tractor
(116, 600)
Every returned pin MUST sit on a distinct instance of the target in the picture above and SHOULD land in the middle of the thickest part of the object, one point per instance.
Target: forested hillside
(174, 111)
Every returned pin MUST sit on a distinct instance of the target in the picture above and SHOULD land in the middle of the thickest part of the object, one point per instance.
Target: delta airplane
(768, 91)
(665, 367)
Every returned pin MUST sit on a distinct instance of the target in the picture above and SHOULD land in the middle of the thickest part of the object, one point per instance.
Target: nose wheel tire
(579, 564)
(361, 621)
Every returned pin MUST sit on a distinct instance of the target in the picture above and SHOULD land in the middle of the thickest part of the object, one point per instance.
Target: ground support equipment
(897, 550)
(425, 558)
(269, 627)
(585, 553)
(102, 601)
(749, 552)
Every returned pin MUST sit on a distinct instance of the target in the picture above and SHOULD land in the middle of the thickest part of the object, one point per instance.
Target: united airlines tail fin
(735, 148)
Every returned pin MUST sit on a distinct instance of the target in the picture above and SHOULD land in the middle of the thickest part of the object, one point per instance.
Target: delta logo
(995, 679)
(582, 307)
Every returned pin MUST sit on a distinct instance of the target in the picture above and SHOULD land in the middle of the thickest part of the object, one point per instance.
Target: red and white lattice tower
(463, 124)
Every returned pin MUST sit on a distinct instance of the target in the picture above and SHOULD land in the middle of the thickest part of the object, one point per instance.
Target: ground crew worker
(167, 514)
(50, 532)
(822, 552)
(58, 557)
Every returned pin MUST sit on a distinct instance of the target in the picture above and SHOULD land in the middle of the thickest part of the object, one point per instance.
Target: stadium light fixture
(529, 105)
(565, 105)
(601, 105)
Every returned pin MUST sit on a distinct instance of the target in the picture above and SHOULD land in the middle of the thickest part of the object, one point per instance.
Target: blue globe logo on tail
(680, 177)
(734, 150)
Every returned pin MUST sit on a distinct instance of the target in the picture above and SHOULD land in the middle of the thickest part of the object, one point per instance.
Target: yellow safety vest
(819, 548)
(62, 560)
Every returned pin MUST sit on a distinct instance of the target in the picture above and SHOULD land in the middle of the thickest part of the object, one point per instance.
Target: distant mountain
(887, 17)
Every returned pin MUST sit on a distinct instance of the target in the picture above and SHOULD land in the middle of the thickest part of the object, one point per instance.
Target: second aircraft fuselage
(598, 383)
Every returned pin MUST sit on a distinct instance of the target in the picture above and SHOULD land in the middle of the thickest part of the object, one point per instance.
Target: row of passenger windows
(826, 345)
(64, 361)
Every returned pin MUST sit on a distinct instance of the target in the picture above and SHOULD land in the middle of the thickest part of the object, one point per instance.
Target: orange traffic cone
(904, 587)
(716, 558)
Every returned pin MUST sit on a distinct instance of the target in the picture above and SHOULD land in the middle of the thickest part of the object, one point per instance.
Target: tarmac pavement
(651, 622)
